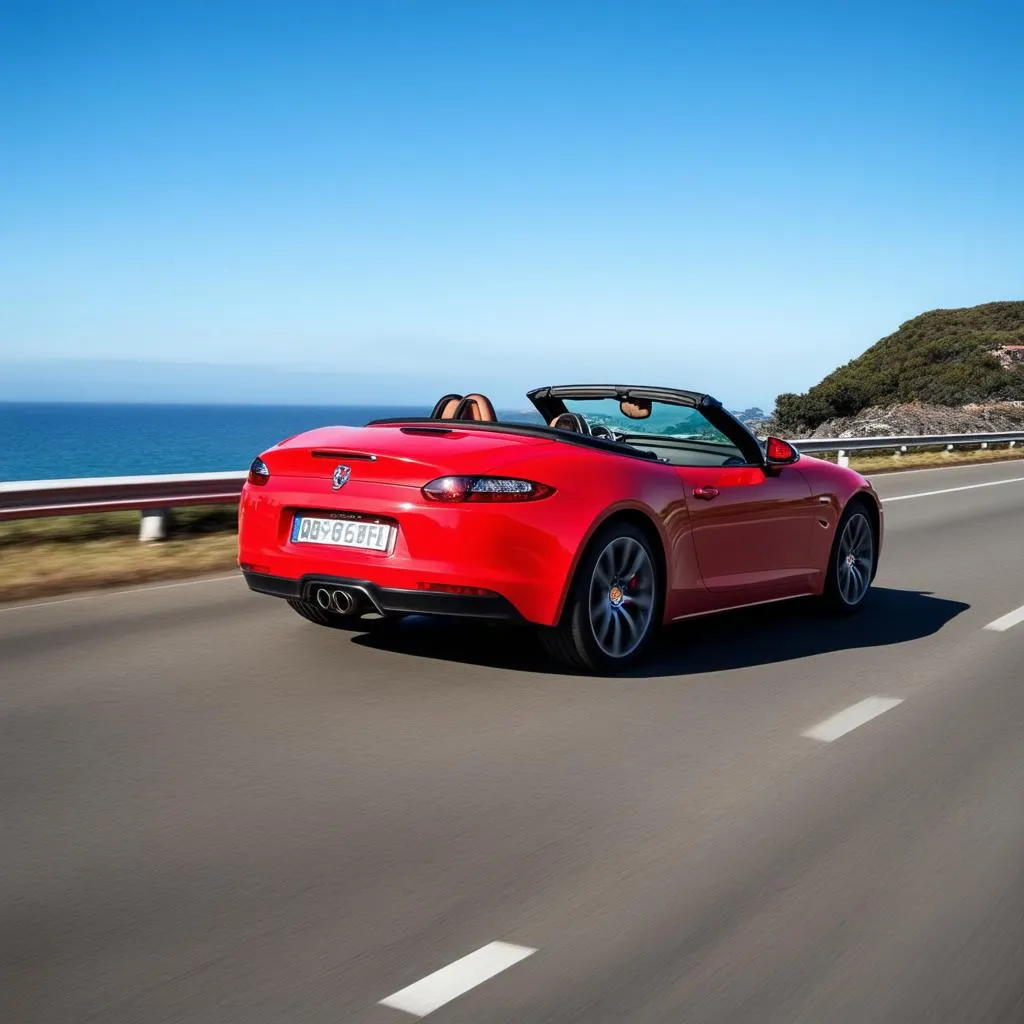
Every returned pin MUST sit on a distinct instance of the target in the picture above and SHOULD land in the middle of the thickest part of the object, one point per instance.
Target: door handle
(705, 493)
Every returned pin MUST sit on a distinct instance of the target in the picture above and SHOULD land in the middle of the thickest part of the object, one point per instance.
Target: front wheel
(612, 606)
(851, 565)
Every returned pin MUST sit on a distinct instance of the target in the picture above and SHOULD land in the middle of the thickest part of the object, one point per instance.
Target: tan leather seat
(476, 407)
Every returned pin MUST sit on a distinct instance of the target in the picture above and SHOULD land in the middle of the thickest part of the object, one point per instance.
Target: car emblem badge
(340, 477)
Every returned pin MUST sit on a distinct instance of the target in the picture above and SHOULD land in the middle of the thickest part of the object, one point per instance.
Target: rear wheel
(851, 565)
(612, 606)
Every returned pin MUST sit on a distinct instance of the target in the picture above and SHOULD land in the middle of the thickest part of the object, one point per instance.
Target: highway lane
(214, 811)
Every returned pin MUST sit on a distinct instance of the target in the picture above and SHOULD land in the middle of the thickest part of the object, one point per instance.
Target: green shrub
(943, 357)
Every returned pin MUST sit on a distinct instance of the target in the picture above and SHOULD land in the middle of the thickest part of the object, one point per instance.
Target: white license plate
(342, 533)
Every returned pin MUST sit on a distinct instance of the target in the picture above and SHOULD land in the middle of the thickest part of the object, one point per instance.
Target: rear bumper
(383, 600)
(521, 551)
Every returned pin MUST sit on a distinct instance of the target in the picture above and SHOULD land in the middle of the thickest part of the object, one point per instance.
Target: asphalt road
(213, 811)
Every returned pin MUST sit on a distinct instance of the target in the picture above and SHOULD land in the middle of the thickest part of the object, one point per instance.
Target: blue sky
(730, 196)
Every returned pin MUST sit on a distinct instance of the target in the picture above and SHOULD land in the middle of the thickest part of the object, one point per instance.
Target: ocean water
(49, 441)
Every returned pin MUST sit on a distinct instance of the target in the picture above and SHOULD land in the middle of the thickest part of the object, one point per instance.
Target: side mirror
(780, 453)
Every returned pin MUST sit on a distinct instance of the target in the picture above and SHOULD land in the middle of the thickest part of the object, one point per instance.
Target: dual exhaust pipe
(334, 600)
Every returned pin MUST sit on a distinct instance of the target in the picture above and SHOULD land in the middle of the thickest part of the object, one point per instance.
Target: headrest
(446, 407)
(476, 407)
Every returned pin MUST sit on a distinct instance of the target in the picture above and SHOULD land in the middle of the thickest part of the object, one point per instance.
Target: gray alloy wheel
(856, 558)
(852, 563)
(621, 599)
(613, 604)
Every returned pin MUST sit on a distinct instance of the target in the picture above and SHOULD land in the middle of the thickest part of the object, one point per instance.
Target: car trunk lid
(409, 454)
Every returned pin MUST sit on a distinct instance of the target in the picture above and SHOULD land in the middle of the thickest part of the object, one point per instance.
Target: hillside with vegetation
(971, 357)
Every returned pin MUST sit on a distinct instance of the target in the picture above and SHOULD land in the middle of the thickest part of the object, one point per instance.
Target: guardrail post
(153, 525)
(844, 459)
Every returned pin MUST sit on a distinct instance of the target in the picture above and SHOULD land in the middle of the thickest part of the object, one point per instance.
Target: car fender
(833, 488)
(626, 484)
(594, 528)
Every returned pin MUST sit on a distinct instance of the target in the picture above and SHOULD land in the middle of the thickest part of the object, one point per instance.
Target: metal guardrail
(152, 495)
(25, 499)
(155, 495)
(816, 445)
(844, 445)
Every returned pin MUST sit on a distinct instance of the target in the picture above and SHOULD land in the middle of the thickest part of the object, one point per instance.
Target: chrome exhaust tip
(323, 597)
(342, 602)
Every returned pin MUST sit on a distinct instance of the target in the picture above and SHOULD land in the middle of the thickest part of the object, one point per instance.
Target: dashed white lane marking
(427, 994)
(91, 595)
(850, 719)
(951, 490)
(1007, 621)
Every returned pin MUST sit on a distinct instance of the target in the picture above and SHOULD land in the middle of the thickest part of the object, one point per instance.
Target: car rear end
(408, 519)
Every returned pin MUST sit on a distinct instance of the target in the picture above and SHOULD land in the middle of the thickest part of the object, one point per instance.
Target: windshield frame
(550, 402)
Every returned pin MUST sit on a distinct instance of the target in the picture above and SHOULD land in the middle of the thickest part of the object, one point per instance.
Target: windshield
(665, 420)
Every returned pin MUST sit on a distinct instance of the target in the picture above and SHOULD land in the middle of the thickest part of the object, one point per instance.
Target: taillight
(258, 472)
(454, 489)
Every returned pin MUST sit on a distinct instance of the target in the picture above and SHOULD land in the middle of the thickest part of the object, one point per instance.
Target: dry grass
(887, 462)
(43, 557)
(44, 568)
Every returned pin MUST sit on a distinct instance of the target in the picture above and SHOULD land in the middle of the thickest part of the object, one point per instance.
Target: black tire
(575, 640)
(855, 522)
(324, 616)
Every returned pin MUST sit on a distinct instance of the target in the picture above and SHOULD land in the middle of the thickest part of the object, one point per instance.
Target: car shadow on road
(764, 635)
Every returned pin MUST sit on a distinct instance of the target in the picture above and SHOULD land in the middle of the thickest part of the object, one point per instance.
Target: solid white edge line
(89, 595)
(1007, 621)
(951, 490)
(851, 718)
(444, 985)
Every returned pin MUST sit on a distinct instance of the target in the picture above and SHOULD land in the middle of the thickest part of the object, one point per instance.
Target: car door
(751, 528)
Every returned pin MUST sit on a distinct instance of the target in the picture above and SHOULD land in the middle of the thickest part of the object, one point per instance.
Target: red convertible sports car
(632, 507)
